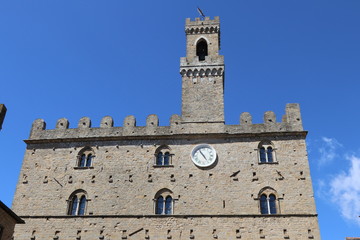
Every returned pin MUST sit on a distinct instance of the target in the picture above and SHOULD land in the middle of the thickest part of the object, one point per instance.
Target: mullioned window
(266, 152)
(268, 201)
(85, 158)
(163, 156)
(164, 202)
(77, 203)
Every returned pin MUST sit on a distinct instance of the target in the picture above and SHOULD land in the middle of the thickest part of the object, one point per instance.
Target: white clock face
(203, 155)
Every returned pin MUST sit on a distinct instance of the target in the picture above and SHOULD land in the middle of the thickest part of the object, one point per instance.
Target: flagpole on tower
(202, 15)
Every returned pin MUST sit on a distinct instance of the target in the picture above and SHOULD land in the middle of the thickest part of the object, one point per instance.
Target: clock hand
(203, 155)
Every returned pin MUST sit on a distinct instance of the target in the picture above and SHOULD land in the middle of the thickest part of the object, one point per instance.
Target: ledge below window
(260, 163)
(163, 166)
(82, 168)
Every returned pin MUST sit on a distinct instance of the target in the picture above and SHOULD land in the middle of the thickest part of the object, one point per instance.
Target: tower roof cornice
(205, 26)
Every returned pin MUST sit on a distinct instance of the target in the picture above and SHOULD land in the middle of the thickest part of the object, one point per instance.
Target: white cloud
(328, 150)
(322, 189)
(345, 191)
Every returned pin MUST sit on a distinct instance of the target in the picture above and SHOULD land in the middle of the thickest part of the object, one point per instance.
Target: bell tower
(202, 72)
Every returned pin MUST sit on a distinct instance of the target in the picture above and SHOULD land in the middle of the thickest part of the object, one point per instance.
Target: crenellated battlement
(198, 21)
(199, 26)
(206, 26)
(291, 122)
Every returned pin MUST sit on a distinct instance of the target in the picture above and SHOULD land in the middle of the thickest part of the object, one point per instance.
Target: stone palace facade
(197, 178)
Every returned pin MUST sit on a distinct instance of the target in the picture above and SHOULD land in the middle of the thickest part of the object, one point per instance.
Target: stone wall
(49, 175)
(156, 228)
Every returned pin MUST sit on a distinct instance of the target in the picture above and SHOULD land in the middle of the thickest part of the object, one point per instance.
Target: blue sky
(96, 58)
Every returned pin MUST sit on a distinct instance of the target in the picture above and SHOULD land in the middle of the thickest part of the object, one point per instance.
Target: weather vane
(202, 15)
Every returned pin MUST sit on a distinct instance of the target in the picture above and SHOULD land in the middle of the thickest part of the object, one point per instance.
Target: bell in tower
(202, 72)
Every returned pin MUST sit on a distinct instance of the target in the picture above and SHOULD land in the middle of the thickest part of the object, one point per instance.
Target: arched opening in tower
(201, 49)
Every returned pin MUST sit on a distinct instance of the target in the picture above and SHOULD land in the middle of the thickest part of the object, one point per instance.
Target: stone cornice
(180, 216)
(277, 135)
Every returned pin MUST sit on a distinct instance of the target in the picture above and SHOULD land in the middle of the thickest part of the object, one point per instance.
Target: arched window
(167, 158)
(263, 204)
(159, 159)
(85, 158)
(82, 160)
(268, 204)
(201, 49)
(74, 205)
(269, 154)
(89, 160)
(262, 155)
(159, 205)
(77, 203)
(266, 152)
(164, 202)
(163, 157)
(272, 204)
(168, 205)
